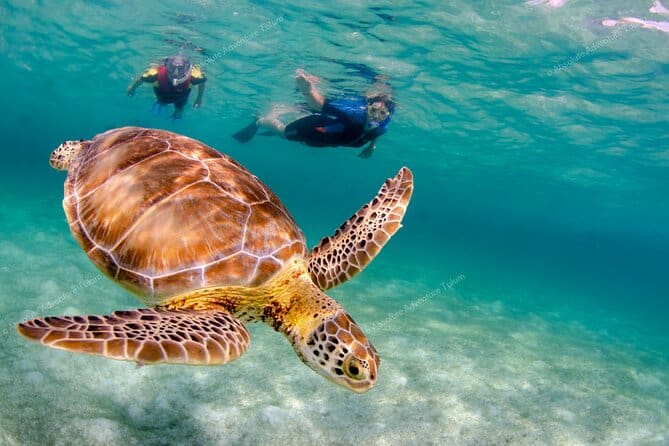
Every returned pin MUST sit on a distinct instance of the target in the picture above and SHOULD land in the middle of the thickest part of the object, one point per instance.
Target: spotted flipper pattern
(145, 335)
(345, 253)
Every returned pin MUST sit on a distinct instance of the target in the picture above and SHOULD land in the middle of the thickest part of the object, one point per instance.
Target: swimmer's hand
(130, 91)
(196, 104)
(305, 82)
(367, 151)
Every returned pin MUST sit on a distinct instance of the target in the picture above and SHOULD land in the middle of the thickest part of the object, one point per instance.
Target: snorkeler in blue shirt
(350, 121)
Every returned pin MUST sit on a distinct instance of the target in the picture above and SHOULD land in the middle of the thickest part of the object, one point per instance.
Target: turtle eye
(353, 368)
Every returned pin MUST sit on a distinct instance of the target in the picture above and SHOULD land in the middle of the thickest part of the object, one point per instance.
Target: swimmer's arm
(198, 99)
(198, 79)
(315, 98)
(307, 85)
(367, 151)
(150, 75)
(136, 83)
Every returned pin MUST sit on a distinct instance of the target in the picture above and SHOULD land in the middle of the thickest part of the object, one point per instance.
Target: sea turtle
(206, 245)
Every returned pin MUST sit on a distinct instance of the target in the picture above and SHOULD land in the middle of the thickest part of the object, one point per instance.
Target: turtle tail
(62, 157)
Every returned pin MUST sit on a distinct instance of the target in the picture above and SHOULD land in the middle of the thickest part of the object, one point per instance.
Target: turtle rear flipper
(345, 253)
(146, 335)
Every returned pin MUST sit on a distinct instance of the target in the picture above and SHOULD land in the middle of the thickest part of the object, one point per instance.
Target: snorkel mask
(379, 111)
(178, 69)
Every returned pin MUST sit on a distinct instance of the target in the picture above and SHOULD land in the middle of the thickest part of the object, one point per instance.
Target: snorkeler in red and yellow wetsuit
(172, 83)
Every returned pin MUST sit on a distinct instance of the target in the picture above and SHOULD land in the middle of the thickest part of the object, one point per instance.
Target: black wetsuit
(341, 122)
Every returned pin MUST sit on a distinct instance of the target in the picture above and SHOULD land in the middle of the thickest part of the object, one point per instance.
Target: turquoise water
(523, 302)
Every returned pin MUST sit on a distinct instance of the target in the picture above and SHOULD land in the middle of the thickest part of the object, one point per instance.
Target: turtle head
(323, 335)
(338, 350)
(62, 157)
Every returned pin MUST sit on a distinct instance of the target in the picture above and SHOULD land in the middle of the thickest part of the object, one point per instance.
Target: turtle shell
(163, 214)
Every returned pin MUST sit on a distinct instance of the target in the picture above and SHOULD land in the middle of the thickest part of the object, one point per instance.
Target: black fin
(247, 133)
(367, 151)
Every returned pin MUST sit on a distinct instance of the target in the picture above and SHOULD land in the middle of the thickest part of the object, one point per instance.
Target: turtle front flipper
(146, 335)
(345, 253)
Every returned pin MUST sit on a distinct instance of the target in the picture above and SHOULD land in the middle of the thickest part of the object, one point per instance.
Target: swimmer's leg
(157, 108)
(179, 108)
(178, 113)
(659, 8)
(649, 24)
(549, 3)
(272, 123)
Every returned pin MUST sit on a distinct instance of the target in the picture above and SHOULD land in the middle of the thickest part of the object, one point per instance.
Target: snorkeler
(657, 8)
(350, 121)
(172, 82)
(549, 3)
